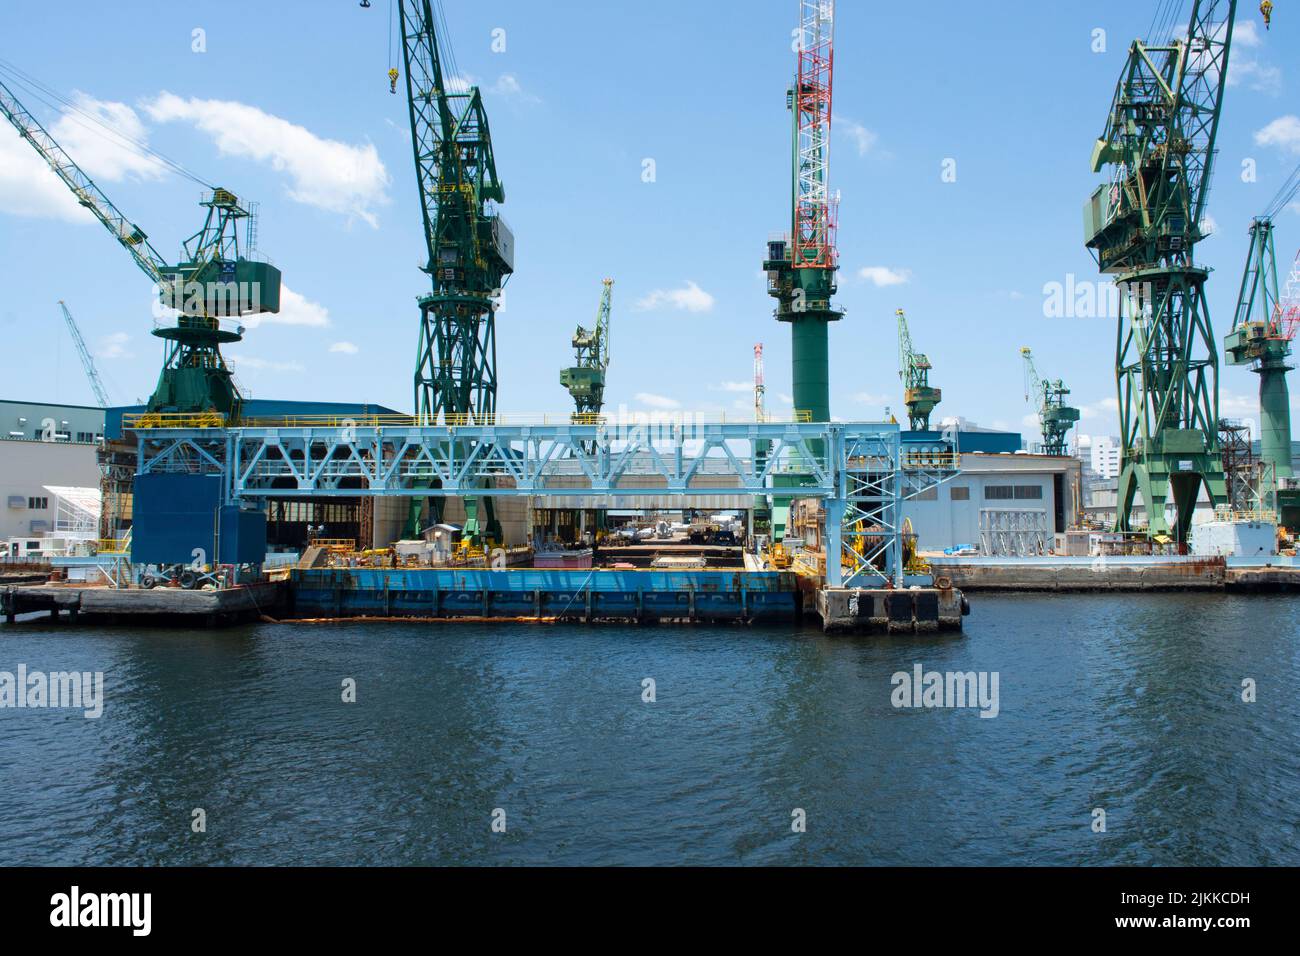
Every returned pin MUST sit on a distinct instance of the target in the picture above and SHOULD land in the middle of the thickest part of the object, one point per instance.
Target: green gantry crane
(914, 369)
(585, 379)
(1048, 398)
(213, 281)
(1143, 227)
(1262, 330)
(470, 247)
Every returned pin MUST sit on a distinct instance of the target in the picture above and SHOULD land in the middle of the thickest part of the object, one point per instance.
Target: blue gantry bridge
(861, 471)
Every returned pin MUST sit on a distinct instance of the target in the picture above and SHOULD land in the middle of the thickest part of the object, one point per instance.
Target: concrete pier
(891, 611)
(1128, 573)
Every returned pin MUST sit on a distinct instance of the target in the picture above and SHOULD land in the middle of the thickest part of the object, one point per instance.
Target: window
(929, 494)
(38, 504)
(960, 493)
(1029, 492)
(999, 492)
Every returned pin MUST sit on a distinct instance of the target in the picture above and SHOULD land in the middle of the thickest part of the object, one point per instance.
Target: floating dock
(510, 595)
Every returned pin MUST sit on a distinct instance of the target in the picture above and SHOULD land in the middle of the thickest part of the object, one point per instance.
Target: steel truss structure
(862, 471)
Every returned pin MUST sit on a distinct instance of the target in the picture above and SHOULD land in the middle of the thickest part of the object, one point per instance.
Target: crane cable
(1284, 195)
(68, 108)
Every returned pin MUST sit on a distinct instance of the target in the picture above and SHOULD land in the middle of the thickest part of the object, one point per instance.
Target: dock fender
(965, 606)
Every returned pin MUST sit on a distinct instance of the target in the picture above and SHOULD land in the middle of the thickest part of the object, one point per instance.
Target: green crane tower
(801, 268)
(1048, 399)
(585, 379)
(1262, 330)
(213, 281)
(470, 247)
(1143, 227)
(914, 369)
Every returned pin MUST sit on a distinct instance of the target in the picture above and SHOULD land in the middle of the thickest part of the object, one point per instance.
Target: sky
(960, 151)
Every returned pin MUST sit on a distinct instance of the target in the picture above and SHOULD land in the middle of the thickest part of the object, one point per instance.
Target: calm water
(1131, 704)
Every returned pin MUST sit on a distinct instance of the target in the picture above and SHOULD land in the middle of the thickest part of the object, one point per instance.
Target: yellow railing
(111, 546)
(927, 459)
(339, 545)
(1266, 517)
(174, 420)
(143, 420)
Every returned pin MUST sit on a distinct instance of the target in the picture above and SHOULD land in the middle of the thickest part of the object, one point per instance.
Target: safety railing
(198, 420)
(142, 420)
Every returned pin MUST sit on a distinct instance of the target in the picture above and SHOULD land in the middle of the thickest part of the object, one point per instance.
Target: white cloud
(870, 398)
(1107, 409)
(883, 276)
(295, 309)
(344, 348)
(732, 387)
(325, 173)
(99, 152)
(1283, 132)
(113, 347)
(1209, 225)
(657, 401)
(1245, 33)
(28, 187)
(1259, 77)
(689, 298)
(863, 139)
(508, 86)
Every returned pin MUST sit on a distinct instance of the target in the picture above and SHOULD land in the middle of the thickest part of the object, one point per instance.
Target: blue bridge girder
(862, 471)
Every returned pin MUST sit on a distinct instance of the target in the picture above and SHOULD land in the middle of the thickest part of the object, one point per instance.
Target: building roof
(259, 408)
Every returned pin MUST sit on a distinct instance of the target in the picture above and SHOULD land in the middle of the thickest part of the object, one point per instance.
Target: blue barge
(559, 594)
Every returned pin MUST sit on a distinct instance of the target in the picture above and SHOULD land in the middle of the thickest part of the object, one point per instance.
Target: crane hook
(392, 80)
(1266, 8)
(365, 4)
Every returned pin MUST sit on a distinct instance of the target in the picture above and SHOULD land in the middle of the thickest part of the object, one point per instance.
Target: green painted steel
(919, 396)
(1143, 228)
(470, 247)
(213, 280)
(1048, 397)
(1259, 340)
(585, 380)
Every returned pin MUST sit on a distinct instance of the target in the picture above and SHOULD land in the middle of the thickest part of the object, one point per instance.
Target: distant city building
(1100, 455)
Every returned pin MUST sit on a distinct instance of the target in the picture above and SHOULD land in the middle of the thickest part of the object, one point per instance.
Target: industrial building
(43, 445)
(1034, 493)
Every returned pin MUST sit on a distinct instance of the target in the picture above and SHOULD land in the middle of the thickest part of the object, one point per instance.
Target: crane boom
(87, 362)
(131, 236)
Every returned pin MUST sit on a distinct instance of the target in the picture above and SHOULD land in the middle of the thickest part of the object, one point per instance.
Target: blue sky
(289, 106)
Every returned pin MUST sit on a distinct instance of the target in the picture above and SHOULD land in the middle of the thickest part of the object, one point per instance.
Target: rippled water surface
(1127, 703)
